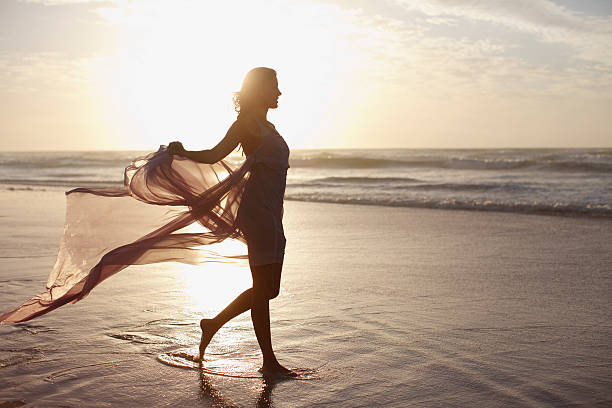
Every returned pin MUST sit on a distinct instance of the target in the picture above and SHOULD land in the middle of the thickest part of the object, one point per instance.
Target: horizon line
(327, 148)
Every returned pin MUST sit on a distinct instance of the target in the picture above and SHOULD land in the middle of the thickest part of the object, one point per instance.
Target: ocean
(543, 181)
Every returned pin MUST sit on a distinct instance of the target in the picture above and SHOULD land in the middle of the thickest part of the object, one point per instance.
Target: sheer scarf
(107, 230)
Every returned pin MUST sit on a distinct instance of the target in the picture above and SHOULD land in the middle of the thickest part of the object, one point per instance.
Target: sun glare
(210, 285)
(177, 66)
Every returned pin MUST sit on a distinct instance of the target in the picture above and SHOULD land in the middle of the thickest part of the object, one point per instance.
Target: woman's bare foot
(208, 331)
(276, 369)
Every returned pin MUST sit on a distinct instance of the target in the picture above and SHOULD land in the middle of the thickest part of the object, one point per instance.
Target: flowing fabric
(106, 230)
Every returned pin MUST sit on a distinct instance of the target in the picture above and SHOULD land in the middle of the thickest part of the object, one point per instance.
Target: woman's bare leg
(242, 303)
(266, 285)
(210, 326)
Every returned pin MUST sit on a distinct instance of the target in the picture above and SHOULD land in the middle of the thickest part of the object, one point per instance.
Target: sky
(124, 75)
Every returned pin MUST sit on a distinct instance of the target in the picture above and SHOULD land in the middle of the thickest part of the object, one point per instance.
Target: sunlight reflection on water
(211, 285)
(218, 279)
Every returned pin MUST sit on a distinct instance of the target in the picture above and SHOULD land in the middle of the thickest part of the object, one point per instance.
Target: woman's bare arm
(244, 131)
(222, 149)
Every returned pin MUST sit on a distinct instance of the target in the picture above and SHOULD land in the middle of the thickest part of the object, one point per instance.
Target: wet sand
(390, 306)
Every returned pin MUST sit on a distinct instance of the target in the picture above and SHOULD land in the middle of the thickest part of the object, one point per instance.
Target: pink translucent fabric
(107, 230)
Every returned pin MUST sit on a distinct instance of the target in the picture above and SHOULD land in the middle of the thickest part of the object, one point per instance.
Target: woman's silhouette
(107, 230)
(261, 208)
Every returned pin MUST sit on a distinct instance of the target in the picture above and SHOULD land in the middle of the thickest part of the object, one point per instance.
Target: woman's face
(270, 94)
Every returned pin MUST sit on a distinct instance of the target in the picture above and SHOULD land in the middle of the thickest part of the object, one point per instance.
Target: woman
(261, 207)
(108, 230)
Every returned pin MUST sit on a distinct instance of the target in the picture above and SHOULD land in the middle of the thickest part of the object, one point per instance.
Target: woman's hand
(176, 148)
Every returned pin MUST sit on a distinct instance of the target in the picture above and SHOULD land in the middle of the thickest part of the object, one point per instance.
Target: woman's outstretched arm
(240, 132)
(222, 149)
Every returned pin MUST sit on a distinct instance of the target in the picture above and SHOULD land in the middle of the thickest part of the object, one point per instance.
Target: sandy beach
(389, 306)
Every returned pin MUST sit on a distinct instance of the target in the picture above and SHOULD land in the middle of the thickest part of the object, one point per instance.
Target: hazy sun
(177, 66)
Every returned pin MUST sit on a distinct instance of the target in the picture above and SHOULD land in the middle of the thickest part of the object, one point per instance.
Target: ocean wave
(11, 183)
(74, 174)
(581, 166)
(341, 162)
(335, 184)
(407, 184)
(365, 180)
(562, 160)
(330, 161)
(453, 196)
(39, 160)
(24, 188)
(505, 187)
(90, 159)
(358, 181)
(356, 162)
(552, 208)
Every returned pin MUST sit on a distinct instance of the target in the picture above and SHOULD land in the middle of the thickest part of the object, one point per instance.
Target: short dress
(260, 216)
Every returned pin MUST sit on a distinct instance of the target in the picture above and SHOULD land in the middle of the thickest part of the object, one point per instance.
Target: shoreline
(575, 214)
(552, 213)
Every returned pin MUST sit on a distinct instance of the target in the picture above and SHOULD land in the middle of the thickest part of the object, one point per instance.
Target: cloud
(540, 16)
(49, 72)
(349, 51)
(413, 56)
(65, 2)
(548, 21)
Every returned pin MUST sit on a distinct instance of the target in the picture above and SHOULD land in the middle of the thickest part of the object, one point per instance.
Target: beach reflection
(264, 399)
(217, 279)
(211, 285)
(211, 395)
